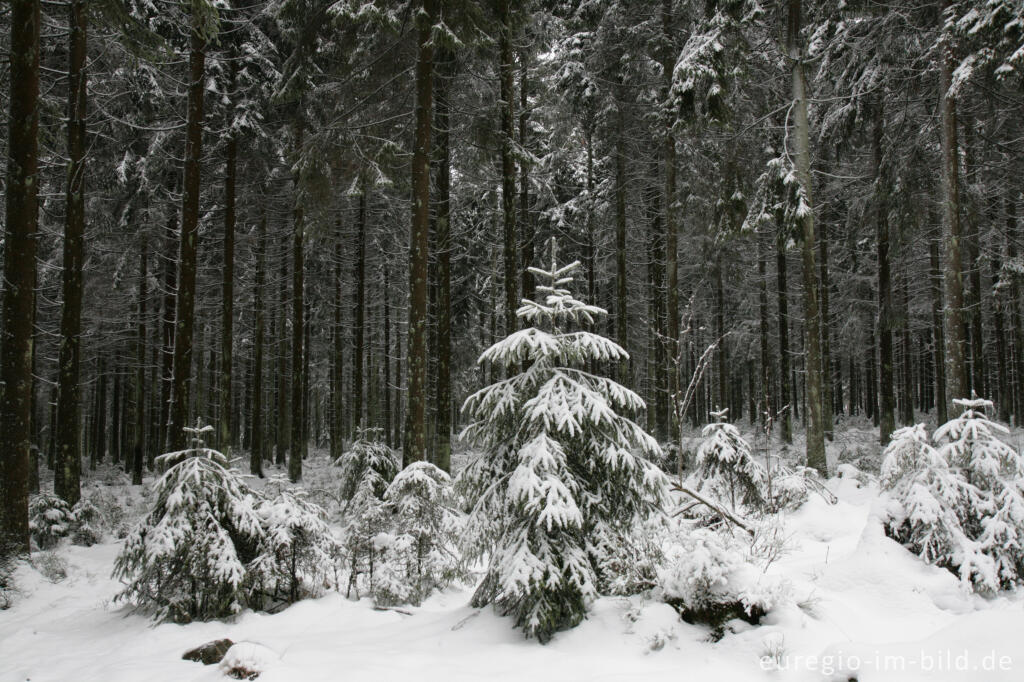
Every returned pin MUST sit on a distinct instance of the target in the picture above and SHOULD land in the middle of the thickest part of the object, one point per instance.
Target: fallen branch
(719, 509)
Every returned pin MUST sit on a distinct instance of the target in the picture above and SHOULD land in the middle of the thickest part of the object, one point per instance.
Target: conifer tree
(561, 472)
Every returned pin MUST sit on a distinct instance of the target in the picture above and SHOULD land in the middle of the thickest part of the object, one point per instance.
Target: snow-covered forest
(551, 339)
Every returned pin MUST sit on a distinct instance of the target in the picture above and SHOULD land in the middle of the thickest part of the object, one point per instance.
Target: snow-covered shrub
(298, 553)
(368, 463)
(706, 576)
(86, 528)
(113, 517)
(50, 565)
(418, 554)
(50, 519)
(188, 559)
(7, 589)
(789, 487)
(367, 469)
(727, 467)
(560, 468)
(957, 500)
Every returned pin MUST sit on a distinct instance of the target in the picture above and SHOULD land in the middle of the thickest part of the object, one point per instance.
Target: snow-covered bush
(7, 589)
(560, 468)
(957, 500)
(707, 577)
(298, 554)
(188, 559)
(367, 469)
(86, 528)
(50, 519)
(418, 554)
(369, 463)
(727, 467)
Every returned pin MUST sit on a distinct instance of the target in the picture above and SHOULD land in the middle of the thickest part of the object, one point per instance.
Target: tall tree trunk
(762, 304)
(19, 275)
(415, 443)
(907, 397)
(938, 333)
(973, 295)
(508, 163)
(956, 369)
(443, 351)
(256, 449)
(621, 284)
(826, 334)
(67, 470)
(786, 403)
(526, 223)
(671, 237)
(1013, 234)
(388, 406)
(298, 302)
(802, 146)
(139, 447)
(358, 329)
(225, 435)
(282, 361)
(338, 384)
(886, 417)
(185, 308)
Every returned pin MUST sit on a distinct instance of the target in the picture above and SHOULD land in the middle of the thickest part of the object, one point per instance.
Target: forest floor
(862, 608)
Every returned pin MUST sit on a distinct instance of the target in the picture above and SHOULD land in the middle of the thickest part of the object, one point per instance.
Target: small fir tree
(419, 552)
(959, 503)
(727, 467)
(188, 559)
(561, 472)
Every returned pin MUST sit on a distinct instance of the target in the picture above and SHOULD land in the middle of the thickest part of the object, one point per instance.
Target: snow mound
(246, 660)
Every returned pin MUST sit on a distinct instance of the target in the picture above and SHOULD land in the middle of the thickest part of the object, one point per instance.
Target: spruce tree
(561, 472)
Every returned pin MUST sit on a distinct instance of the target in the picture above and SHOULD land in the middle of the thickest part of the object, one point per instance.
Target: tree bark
(785, 407)
(671, 236)
(938, 333)
(358, 329)
(256, 449)
(956, 369)
(443, 454)
(414, 446)
(185, 307)
(19, 275)
(812, 321)
(67, 469)
(508, 163)
(886, 416)
(225, 434)
(298, 301)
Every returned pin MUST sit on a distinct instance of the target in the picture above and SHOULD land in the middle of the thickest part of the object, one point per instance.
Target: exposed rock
(209, 653)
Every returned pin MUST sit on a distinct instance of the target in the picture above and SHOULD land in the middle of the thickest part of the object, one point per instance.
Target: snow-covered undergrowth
(853, 595)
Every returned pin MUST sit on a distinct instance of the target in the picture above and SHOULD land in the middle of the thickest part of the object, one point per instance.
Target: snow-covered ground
(861, 602)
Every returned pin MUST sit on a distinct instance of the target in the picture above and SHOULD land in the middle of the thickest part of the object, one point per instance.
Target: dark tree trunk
(671, 237)
(415, 443)
(225, 434)
(785, 399)
(526, 223)
(139, 446)
(956, 370)
(508, 164)
(358, 329)
(812, 320)
(185, 308)
(256, 449)
(443, 351)
(67, 470)
(298, 301)
(886, 417)
(19, 276)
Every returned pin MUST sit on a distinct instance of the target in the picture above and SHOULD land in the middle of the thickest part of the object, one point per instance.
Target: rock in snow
(209, 653)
